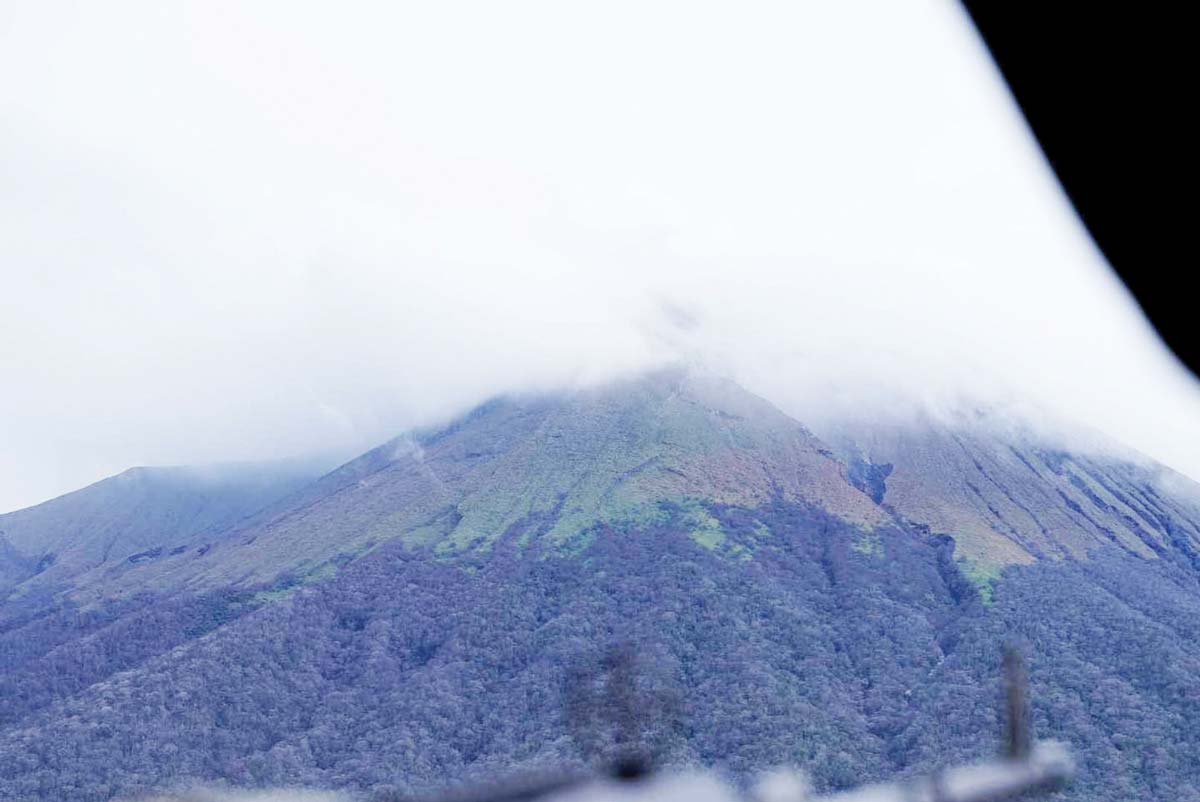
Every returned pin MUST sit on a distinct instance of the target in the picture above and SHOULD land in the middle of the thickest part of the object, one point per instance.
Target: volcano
(423, 614)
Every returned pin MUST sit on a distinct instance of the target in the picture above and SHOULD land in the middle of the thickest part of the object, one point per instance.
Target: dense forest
(795, 639)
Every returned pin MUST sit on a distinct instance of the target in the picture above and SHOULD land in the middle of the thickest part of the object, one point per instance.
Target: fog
(695, 787)
(238, 231)
(268, 795)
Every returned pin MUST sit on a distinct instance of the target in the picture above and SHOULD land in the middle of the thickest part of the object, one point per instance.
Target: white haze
(201, 794)
(246, 230)
(670, 787)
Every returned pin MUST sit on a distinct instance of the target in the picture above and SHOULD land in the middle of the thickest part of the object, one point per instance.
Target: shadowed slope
(133, 516)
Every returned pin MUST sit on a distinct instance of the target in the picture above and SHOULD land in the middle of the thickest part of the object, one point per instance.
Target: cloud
(239, 232)
(692, 787)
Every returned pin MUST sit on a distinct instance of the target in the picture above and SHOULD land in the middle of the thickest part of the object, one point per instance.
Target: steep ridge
(1008, 497)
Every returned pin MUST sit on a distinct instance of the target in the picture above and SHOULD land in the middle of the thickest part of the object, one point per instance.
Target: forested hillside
(436, 601)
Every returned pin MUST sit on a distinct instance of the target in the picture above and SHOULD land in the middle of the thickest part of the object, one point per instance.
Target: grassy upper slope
(551, 468)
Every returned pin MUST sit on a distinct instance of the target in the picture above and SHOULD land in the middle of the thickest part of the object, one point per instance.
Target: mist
(248, 231)
(267, 795)
(695, 787)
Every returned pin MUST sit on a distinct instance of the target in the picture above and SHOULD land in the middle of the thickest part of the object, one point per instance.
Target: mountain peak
(551, 469)
(544, 468)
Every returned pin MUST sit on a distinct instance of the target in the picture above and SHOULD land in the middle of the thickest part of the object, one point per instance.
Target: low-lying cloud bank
(253, 232)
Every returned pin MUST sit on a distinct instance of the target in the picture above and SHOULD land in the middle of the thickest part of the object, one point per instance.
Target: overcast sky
(244, 230)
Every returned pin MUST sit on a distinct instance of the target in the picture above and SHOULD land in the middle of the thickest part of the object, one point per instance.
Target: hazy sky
(243, 230)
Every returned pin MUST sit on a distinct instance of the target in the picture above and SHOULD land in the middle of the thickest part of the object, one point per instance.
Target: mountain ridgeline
(134, 516)
(422, 614)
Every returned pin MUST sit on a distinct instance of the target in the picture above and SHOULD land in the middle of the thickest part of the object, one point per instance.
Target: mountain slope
(1008, 497)
(405, 673)
(551, 466)
(134, 516)
(423, 613)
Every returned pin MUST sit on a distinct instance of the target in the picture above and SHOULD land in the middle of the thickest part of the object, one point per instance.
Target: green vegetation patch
(284, 588)
(273, 595)
(702, 526)
(869, 544)
(983, 577)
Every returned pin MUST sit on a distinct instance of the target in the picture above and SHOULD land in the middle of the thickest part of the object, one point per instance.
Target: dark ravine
(412, 619)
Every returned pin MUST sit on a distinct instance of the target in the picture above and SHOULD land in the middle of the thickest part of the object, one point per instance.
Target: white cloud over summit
(237, 231)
